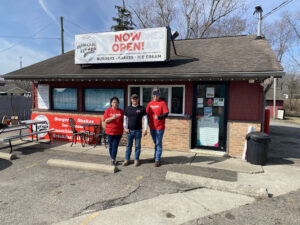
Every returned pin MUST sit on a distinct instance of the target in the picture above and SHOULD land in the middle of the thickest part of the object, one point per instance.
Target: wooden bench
(20, 136)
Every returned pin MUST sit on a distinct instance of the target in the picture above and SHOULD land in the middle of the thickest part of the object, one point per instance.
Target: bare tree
(189, 7)
(279, 35)
(202, 18)
(153, 13)
(217, 9)
(291, 82)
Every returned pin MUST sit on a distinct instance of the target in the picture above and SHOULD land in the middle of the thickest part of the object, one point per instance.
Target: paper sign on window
(43, 96)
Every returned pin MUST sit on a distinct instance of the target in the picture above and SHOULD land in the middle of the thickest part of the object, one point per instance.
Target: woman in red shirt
(113, 118)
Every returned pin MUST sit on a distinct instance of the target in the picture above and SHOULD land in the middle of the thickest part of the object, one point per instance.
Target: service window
(64, 98)
(173, 95)
(98, 99)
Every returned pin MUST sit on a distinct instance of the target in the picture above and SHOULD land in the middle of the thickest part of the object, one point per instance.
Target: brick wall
(237, 132)
(177, 135)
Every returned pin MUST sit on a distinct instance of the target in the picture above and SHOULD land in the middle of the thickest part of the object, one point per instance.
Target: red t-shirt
(157, 108)
(115, 127)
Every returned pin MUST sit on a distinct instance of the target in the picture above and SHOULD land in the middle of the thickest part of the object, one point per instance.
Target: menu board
(43, 96)
(208, 131)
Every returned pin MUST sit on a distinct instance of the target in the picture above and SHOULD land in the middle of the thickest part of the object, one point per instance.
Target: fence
(15, 106)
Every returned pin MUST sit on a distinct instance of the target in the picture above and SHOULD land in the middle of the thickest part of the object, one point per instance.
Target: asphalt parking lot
(31, 192)
(34, 193)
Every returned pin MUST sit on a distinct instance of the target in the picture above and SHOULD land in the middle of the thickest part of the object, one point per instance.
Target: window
(173, 95)
(64, 98)
(98, 99)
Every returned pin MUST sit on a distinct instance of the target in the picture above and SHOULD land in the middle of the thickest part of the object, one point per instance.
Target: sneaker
(126, 163)
(157, 164)
(137, 163)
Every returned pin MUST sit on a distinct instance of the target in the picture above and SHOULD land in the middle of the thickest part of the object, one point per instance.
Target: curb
(218, 185)
(82, 165)
(8, 156)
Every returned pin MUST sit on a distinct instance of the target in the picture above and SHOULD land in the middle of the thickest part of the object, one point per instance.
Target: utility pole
(20, 62)
(62, 34)
(274, 99)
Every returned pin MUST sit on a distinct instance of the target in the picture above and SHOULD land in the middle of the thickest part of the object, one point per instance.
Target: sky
(30, 29)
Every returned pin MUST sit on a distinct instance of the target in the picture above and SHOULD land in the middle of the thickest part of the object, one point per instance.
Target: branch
(138, 16)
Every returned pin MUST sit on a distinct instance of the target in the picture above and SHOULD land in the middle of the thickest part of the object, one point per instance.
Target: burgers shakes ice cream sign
(145, 45)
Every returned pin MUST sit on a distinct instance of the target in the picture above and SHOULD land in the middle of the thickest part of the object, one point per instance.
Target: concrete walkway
(166, 209)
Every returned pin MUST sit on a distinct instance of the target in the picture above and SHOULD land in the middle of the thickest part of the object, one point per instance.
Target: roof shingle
(211, 57)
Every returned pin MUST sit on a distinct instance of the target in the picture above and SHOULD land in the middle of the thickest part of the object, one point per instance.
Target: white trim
(160, 86)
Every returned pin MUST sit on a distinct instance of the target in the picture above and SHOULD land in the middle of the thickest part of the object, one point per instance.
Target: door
(210, 116)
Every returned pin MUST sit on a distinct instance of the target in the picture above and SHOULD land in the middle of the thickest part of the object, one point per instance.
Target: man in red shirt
(157, 111)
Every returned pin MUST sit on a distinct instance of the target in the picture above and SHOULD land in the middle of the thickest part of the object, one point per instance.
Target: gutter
(162, 76)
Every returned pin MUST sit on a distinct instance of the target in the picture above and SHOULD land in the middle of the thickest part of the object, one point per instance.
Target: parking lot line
(90, 218)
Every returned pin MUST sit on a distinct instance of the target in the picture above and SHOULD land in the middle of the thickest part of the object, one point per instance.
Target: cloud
(47, 11)
(10, 60)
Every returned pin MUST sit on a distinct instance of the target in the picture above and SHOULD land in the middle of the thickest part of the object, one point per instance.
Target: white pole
(274, 99)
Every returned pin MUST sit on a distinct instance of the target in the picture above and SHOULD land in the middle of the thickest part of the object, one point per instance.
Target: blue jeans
(113, 142)
(157, 136)
(137, 135)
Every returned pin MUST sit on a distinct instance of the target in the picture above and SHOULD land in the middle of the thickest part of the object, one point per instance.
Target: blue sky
(40, 19)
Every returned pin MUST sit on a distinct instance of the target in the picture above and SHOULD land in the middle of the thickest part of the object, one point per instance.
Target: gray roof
(10, 86)
(225, 57)
(279, 94)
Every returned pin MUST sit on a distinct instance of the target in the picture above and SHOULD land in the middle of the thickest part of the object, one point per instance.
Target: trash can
(257, 148)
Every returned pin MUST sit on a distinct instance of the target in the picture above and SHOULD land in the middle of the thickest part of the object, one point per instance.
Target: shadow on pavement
(4, 164)
(285, 145)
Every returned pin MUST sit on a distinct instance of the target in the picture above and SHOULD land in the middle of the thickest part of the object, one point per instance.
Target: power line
(76, 25)
(17, 43)
(277, 8)
(24, 37)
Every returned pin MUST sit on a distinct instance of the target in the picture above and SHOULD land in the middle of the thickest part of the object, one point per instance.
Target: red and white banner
(60, 123)
(145, 45)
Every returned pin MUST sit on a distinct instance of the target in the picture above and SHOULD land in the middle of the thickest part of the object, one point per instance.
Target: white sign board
(145, 45)
(208, 131)
(43, 96)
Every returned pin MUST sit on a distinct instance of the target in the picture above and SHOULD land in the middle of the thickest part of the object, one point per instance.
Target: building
(213, 87)
(13, 89)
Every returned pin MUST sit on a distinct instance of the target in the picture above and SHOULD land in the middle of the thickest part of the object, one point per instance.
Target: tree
(291, 82)
(192, 18)
(124, 20)
(154, 13)
(280, 36)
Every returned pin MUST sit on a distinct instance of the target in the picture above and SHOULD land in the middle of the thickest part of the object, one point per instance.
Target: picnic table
(25, 124)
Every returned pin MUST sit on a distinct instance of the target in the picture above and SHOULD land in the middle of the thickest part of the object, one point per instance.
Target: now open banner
(144, 45)
(60, 123)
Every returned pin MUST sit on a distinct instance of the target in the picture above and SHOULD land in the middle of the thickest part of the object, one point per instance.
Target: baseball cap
(156, 91)
(134, 96)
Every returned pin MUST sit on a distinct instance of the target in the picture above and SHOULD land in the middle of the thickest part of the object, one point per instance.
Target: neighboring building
(270, 100)
(13, 89)
(213, 88)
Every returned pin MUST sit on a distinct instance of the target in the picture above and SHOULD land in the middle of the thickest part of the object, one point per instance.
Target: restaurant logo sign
(41, 126)
(86, 48)
(145, 45)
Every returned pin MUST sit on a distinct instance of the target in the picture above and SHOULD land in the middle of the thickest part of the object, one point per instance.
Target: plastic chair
(75, 133)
